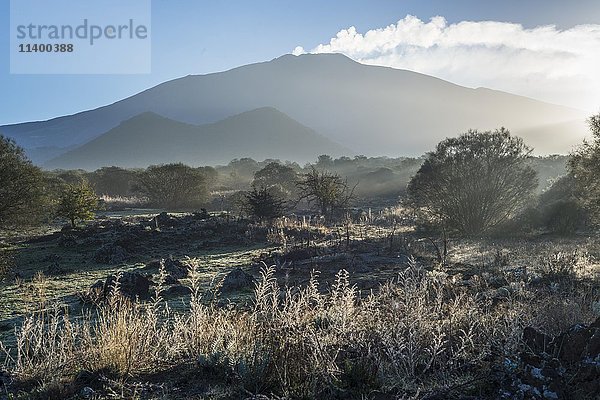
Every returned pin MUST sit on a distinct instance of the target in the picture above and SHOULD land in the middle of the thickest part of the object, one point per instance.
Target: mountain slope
(373, 110)
(149, 138)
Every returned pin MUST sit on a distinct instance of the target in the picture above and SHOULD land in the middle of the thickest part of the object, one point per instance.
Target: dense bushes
(559, 208)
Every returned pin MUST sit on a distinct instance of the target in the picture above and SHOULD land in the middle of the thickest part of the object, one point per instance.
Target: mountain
(149, 138)
(372, 110)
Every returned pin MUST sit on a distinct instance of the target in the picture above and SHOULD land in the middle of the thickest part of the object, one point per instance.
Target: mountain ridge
(149, 138)
(373, 110)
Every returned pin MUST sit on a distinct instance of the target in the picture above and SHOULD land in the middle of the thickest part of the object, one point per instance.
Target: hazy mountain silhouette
(372, 110)
(149, 138)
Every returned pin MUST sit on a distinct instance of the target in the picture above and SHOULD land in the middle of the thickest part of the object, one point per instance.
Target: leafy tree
(277, 176)
(475, 182)
(173, 185)
(78, 202)
(327, 190)
(264, 204)
(584, 166)
(21, 185)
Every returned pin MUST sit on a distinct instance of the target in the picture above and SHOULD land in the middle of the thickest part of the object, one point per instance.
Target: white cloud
(560, 66)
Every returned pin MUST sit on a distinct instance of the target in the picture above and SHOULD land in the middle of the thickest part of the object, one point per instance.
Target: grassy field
(359, 310)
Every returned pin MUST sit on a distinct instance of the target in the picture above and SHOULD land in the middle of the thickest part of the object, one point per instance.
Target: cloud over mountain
(544, 62)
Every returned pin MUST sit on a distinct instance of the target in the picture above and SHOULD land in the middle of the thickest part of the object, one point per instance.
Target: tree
(277, 176)
(78, 202)
(21, 185)
(584, 166)
(263, 204)
(173, 185)
(113, 181)
(324, 161)
(475, 182)
(327, 190)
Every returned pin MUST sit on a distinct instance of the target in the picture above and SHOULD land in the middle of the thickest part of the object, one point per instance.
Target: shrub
(264, 204)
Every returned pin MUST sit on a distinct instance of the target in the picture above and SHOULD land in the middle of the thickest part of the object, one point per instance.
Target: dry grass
(419, 334)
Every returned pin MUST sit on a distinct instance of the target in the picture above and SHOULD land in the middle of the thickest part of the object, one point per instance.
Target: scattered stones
(175, 269)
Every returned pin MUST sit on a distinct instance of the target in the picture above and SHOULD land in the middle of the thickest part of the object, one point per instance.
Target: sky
(544, 49)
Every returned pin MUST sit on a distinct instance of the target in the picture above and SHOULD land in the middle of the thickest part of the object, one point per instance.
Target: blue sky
(196, 37)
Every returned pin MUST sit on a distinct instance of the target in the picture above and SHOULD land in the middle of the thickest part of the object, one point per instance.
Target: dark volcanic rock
(55, 269)
(177, 290)
(176, 268)
(564, 367)
(131, 284)
(110, 254)
(237, 279)
(300, 254)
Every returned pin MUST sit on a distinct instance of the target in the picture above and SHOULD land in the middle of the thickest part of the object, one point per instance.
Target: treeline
(472, 184)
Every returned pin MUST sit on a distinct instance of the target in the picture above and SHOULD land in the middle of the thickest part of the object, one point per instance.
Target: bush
(475, 182)
(563, 217)
(113, 181)
(560, 210)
